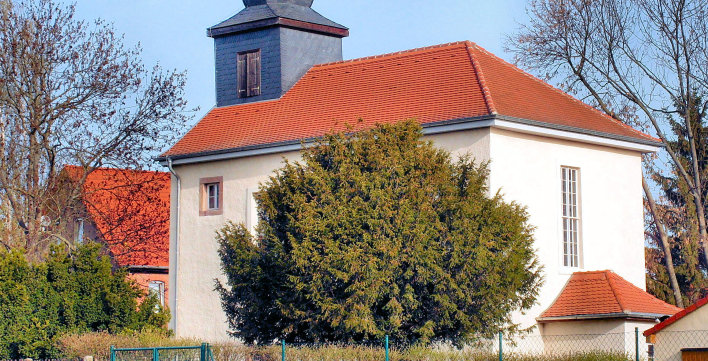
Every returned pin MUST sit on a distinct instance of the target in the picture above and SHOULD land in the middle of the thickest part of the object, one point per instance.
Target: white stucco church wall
(524, 168)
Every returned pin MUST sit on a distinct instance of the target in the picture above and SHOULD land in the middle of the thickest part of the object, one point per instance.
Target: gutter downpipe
(173, 281)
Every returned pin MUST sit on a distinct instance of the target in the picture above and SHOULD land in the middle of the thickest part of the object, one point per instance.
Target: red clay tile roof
(131, 211)
(663, 324)
(445, 82)
(604, 293)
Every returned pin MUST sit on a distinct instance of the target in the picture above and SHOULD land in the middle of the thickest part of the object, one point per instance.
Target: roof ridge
(616, 293)
(129, 170)
(317, 67)
(486, 94)
(531, 76)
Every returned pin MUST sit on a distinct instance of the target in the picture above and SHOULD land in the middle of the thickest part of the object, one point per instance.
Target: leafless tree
(71, 93)
(642, 57)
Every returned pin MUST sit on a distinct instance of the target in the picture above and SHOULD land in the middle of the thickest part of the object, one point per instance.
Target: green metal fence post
(113, 353)
(155, 354)
(386, 346)
(636, 343)
(501, 353)
(282, 349)
(203, 352)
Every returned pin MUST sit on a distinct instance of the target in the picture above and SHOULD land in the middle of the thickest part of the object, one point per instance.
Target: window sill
(567, 271)
(212, 212)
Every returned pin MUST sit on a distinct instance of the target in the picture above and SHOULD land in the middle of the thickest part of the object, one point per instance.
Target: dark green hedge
(69, 292)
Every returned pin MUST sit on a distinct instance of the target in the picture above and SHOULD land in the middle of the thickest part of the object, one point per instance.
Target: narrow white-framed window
(212, 190)
(570, 215)
(251, 210)
(157, 288)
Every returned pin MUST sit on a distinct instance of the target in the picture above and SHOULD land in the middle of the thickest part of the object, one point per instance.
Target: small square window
(211, 196)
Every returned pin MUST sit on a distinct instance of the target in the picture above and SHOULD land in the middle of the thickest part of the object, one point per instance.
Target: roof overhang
(487, 121)
(603, 316)
(147, 269)
(215, 32)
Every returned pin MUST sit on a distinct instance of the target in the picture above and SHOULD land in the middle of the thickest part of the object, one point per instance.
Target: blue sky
(173, 32)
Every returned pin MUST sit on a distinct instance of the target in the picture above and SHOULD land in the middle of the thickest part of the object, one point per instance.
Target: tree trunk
(664, 244)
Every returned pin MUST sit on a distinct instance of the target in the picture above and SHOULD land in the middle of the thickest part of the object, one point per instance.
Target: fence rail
(621, 346)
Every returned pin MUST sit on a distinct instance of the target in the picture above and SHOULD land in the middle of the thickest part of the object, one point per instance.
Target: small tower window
(249, 73)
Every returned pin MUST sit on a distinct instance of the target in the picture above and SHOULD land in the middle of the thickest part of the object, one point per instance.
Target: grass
(98, 344)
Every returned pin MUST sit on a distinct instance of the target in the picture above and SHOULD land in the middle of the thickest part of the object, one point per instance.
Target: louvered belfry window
(249, 74)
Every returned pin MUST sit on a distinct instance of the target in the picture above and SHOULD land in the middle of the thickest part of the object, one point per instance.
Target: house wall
(194, 263)
(143, 280)
(615, 335)
(526, 168)
(691, 331)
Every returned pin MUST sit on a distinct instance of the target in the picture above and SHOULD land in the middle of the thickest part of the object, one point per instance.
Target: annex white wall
(691, 331)
(526, 168)
(194, 263)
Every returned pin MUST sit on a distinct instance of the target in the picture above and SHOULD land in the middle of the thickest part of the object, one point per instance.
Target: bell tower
(262, 51)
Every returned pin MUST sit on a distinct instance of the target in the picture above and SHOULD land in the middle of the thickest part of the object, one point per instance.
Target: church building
(281, 82)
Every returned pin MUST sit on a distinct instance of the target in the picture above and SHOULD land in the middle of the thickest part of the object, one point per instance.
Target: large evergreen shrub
(378, 233)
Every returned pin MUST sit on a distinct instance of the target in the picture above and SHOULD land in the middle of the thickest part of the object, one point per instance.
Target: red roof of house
(434, 84)
(131, 211)
(600, 294)
(663, 324)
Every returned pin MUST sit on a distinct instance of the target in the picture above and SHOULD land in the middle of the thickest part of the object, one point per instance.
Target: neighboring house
(578, 171)
(128, 210)
(683, 336)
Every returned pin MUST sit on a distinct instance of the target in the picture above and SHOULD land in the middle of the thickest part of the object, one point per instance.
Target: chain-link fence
(621, 346)
(185, 353)
(679, 345)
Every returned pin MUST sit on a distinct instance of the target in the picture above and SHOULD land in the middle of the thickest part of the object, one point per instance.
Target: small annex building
(604, 306)
(683, 336)
(128, 211)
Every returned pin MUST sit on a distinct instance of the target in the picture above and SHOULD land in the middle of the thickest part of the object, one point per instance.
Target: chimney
(262, 51)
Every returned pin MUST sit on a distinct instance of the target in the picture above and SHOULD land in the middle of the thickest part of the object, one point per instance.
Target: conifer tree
(378, 233)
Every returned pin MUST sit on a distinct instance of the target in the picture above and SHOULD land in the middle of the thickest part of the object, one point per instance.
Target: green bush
(73, 292)
(378, 233)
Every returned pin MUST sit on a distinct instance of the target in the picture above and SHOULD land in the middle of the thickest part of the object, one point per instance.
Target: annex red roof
(600, 294)
(662, 325)
(131, 212)
(434, 84)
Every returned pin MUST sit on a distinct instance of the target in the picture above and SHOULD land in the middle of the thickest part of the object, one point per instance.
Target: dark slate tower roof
(264, 13)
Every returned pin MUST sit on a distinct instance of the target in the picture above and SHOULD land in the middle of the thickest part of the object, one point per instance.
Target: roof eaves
(677, 316)
(633, 315)
(459, 124)
(295, 144)
(642, 140)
